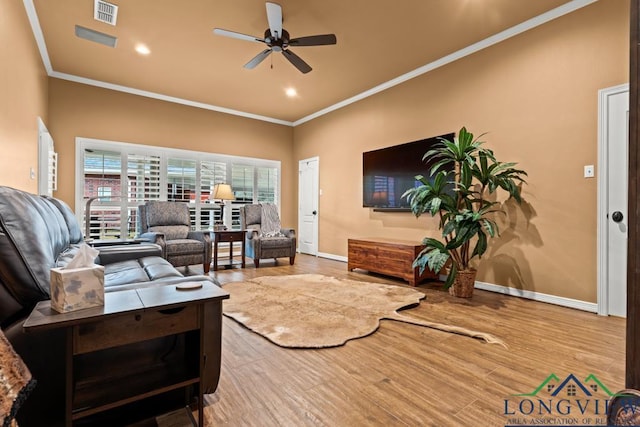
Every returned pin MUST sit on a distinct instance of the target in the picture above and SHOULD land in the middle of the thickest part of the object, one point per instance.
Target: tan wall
(78, 110)
(536, 95)
(23, 97)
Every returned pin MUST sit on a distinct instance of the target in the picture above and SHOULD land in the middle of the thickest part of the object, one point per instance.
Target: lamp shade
(222, 192)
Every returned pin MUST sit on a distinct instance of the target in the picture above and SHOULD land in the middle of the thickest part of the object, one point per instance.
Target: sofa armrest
(252, 234)
(117, 253)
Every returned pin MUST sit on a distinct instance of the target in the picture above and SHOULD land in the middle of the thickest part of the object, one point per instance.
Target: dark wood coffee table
(127, 318)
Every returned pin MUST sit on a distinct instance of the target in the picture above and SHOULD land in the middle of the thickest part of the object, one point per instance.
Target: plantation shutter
(143, 183)
(102, 215)
(267, 179)
(211, 173)
(242, 183)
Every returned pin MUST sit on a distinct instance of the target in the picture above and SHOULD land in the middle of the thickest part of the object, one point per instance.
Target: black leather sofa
(38, 233)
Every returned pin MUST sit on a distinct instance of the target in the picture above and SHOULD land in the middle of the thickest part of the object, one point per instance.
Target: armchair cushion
(184, 246)
(275, 242)
(168, 213)
(170, 218)
(253, 215)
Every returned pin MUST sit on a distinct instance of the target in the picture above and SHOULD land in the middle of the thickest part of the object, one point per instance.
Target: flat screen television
(388, 172)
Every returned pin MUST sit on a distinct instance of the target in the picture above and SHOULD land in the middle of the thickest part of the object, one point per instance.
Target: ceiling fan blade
(257, 59)
(274, 16)
(296, 61)
(319, 40)
(233, 34)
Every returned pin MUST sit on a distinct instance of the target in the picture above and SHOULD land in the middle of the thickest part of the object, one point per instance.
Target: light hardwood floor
(410, 375)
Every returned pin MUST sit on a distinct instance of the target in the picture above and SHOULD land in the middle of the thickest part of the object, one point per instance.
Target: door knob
(315, 212)
(617, 216)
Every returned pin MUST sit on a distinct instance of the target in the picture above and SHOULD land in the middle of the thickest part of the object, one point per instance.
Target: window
(102, 183)
(116, 177)
(267, 184)
(242, 183)
(104, 194)
(252, 185)
(143, 183)
(208, 212)
(181, 180)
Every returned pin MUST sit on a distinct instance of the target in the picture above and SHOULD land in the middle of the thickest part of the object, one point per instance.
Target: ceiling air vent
(105, 12)
(96, 36)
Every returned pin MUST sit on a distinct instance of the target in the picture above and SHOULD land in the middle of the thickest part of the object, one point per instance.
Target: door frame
(603, 181)
(317, 200)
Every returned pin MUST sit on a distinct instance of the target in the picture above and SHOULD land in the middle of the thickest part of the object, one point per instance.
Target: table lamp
(222, 192)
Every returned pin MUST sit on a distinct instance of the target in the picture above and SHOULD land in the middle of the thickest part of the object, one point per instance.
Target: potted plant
(463, 176)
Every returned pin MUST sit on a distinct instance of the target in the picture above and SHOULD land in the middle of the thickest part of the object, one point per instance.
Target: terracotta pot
(462, 286)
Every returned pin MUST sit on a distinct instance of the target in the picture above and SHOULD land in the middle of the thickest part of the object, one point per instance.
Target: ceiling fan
(277, 40)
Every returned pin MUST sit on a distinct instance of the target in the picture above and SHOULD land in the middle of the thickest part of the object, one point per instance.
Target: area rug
(316, 311)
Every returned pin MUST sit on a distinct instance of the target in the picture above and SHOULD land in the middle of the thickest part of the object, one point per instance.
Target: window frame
(126, 148)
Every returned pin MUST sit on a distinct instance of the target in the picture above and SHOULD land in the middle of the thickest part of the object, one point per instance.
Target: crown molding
(167, 98)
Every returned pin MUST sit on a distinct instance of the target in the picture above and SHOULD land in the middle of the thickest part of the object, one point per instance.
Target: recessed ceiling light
(291, 92)
(142, 49)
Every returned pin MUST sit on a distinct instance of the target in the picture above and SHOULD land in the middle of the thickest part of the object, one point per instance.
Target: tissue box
(76, 288)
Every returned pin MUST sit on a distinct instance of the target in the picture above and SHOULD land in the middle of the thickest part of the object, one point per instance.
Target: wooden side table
(228, 236)
(126, 319)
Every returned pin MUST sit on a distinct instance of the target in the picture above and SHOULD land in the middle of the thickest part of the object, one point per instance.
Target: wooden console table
(387, 256)
(126, 319)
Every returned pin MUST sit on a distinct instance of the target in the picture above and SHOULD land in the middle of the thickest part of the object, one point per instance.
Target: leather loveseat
(38, 233)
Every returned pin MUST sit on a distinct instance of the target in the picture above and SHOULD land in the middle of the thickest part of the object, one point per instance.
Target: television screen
(388, 172)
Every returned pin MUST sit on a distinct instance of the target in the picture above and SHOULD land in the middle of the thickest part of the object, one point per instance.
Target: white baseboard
(538, 296)
(505, 290)
(333, 257)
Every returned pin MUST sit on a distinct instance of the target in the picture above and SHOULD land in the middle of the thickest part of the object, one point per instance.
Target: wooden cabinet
(127, 319)
(387, 256)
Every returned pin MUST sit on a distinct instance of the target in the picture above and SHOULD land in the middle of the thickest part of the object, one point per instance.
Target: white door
(308, 177)
(614, 146)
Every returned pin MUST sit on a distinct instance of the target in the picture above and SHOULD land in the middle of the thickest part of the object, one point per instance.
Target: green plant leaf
(481, 245)
(432, 243)
(437, 260)
(449, 228)
(453, 271)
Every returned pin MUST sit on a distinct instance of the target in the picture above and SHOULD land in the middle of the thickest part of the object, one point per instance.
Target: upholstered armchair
(265, 238)
(168, 224)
